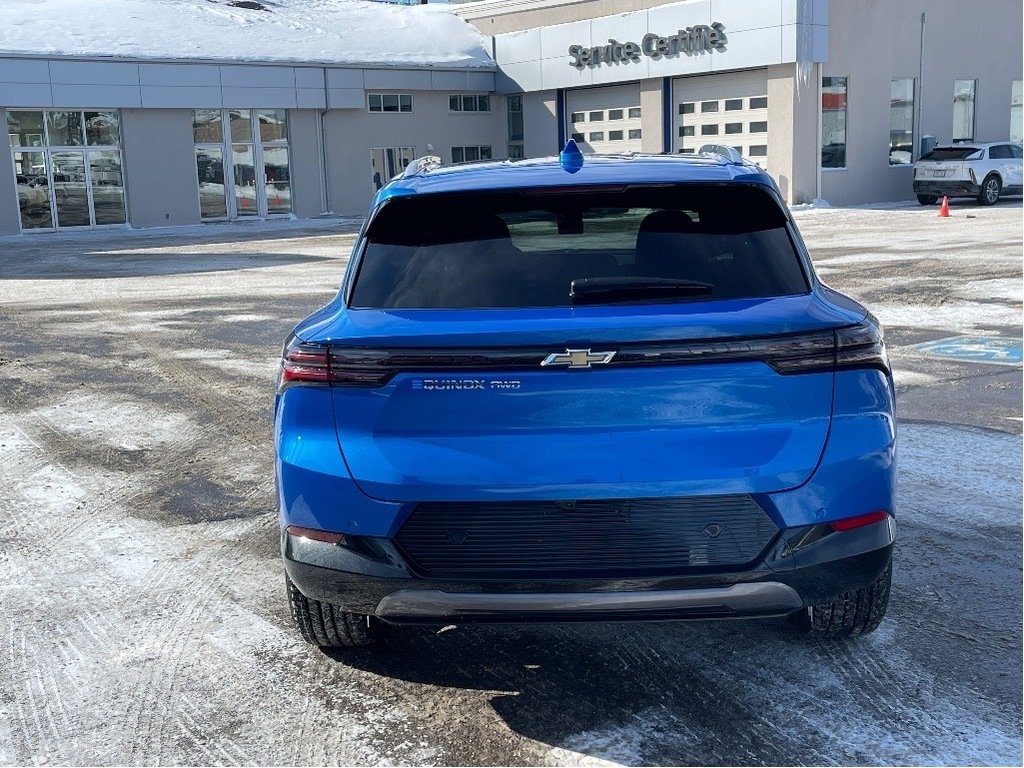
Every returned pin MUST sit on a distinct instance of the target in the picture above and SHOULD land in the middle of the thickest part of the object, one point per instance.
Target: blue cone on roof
(570, 158)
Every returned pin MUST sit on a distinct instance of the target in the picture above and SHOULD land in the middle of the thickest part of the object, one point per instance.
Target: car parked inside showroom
(984, 171)
(569, 389)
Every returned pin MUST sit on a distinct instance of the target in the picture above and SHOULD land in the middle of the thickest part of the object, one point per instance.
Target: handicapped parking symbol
(978, 349)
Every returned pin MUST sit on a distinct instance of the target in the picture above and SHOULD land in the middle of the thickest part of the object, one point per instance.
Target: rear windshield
(950, 153)
(525, 248)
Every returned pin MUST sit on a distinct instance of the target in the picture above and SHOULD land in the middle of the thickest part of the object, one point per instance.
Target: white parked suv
(971, 169)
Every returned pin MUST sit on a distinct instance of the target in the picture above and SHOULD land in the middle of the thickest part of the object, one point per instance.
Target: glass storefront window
(963, 110)
(514, 107)
(275, 169)
(33, 189)
(101, 129)
(69, 189)
(210, 170)
(207, 126)
(64, 129)
(388, 162)
(243, 166)
(25, 129)
(272, 124)
(240, 125)
(833, 122)
(901, 122)
(107, 187)
(62, 187)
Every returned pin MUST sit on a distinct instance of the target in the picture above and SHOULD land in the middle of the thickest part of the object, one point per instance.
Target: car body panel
(809, 448)
(964, 178)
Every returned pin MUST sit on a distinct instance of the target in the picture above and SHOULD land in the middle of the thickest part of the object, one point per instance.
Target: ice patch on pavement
(952, 315)
(905, 378)
(118, 422)
(1008, 288)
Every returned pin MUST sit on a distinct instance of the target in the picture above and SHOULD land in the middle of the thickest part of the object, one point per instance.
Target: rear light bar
(851, 523)
(858, 346)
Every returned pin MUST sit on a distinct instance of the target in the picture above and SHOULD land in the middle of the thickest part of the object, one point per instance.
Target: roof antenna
(570, 158)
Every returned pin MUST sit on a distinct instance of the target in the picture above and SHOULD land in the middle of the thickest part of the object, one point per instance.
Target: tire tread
(327, 625)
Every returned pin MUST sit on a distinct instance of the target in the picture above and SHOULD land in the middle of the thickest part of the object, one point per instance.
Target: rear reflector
(849, 523)
(316, 535)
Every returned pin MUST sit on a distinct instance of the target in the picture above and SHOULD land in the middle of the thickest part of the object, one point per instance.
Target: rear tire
(991, 188)
(927, 199)
(855, 613)
(328, 626)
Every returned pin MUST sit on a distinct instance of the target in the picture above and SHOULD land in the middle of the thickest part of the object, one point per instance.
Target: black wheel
(327, 625)
(991, 187)
(927, 199)
(855, 613)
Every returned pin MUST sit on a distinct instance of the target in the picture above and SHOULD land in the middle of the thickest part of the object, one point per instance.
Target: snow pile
(323, 31)
(816, 203)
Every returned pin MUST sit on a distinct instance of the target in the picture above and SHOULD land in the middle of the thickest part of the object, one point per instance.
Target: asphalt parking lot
(141, 593)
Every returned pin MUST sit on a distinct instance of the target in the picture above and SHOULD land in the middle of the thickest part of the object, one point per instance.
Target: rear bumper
(805, 566)
(951, 188)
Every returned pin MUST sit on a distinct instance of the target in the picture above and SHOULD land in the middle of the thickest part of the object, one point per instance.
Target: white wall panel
(85, 96)
(258, 97)
(25, 95)
(179, 75)
(94, 73)
(396, 80)
(187, 97)
(257, 77)
(24, 71)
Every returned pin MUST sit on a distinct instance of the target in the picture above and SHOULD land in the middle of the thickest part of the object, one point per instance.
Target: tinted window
(1017, 151)
(950, 153)
(1000, 152)
(524, 248)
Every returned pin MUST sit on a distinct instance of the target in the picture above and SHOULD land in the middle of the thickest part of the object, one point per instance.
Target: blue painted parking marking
(974, 349)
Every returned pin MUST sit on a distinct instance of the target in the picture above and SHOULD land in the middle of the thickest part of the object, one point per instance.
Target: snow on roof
(315, 31)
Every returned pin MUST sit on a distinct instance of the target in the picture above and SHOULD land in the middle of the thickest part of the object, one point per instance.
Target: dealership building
(244, 111)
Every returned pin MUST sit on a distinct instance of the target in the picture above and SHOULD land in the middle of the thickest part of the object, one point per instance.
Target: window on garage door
(700, 119)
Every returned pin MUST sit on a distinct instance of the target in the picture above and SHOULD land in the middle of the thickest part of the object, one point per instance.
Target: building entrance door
(256, 182)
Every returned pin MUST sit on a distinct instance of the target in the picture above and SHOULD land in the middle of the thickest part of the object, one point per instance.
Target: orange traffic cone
(944, 208)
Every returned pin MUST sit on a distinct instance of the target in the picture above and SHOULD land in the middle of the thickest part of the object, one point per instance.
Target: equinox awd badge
(578, 358)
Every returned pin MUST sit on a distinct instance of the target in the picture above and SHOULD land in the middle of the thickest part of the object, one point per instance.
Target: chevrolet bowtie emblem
(578, 358)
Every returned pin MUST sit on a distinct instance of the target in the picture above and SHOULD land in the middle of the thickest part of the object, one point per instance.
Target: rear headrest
(666, 221)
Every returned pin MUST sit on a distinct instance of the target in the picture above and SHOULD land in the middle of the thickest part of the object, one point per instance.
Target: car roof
(975, 144)
(597, 170)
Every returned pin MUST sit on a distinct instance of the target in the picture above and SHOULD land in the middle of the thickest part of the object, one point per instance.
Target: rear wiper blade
(610, 290)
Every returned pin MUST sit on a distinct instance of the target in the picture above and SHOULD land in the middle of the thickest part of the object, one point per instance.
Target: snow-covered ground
(141, 592)
(324, 31)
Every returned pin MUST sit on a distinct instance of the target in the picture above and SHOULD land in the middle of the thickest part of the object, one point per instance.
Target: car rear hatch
(445, 389)
(946, 164)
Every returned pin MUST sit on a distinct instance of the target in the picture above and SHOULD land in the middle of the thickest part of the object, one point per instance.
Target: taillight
(303, 363)
(306, 363)
(861, 346)
(850, 523)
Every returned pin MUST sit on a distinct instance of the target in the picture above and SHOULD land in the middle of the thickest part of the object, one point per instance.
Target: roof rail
(420, 165)
(729, 154)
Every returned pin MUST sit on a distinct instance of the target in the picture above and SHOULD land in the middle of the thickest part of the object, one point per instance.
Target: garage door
(605, 120)
(722, 109)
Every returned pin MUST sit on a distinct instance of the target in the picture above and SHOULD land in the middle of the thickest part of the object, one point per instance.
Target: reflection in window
(578, 117)
(597, 136)
(759, 102)
(615, 114)
(615, 135)
(833, 122)
(963, 110)
(636, 133)
(731, 105)
(389, 102)
(25, 129)
(240, 125)
(901, 122)
(207, 126)
(64, 129)
(101, 129)
(709, 106)
(634, 112)
(273, 124)
(686, 108)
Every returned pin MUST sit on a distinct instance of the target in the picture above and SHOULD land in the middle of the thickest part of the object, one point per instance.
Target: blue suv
(567, 390)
